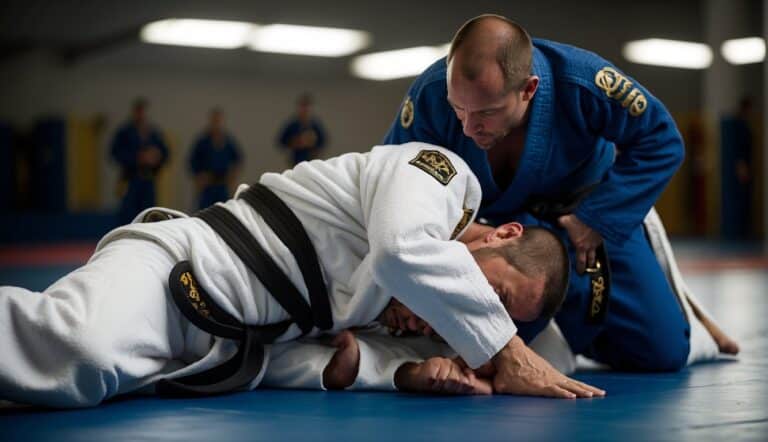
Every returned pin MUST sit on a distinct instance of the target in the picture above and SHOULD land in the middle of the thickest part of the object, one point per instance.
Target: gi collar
(538, 139)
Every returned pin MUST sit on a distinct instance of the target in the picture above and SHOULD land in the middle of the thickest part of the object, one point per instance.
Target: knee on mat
(88, 371)
(663, 353)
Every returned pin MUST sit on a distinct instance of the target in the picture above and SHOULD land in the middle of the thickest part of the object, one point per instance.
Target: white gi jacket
(382, 224)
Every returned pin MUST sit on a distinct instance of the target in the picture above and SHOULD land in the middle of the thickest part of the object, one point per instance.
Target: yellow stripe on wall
(83, 160)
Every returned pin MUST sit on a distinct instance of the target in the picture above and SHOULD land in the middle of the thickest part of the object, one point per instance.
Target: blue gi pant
(139, 195)
(645, 327)
(213, 194)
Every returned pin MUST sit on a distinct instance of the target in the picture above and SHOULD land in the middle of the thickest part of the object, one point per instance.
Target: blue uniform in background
(590, 126)
(312, 130)
(736, 147)
(218, 160)
(139, 181)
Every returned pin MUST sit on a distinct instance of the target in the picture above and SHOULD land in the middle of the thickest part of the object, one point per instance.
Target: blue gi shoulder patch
(407, 114)
(620, 88)
(436, 164)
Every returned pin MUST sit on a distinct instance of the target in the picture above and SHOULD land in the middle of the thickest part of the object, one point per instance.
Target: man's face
(139, 114)
(216, 121)
(521, 295)
(400, 318)
(486, 110)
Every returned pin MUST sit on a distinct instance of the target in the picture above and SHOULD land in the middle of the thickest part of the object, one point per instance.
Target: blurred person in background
(215, 161)
(303, 134)
(140, 151)
(736, 144)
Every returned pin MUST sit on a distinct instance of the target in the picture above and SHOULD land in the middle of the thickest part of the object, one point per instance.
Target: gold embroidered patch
(190, 289)
(407, 113)
(465, 217)
(596, 304)
(436, 164)
(617, 86)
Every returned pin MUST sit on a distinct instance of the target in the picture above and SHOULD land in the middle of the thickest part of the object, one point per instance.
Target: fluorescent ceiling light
(199, 33)
(744, 50)
(308, 40)
(672, 53)
(400, 63)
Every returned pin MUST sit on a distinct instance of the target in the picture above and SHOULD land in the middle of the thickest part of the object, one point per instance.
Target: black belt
(600, 287)
(195, 304)
(550, 209)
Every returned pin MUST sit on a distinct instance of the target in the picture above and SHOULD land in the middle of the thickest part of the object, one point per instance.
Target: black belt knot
(195, 304)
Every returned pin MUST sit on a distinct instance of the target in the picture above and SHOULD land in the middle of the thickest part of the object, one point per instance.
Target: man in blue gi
(215, 160)
(560, 133)
(139, 149)
(303, 135)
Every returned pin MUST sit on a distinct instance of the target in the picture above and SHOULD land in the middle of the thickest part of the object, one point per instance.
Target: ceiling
(90, 31)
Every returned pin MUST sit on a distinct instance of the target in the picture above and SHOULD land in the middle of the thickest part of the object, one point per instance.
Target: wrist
(342, 369)
(509, 352)
(403, 375)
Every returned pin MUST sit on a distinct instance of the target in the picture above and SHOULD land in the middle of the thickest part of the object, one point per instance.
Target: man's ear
(531, 85)
(505, 231)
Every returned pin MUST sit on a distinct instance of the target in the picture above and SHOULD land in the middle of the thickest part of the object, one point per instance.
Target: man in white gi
(372, 359)
(383, 223)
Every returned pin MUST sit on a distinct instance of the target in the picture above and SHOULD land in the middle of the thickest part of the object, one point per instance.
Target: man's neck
(504, 157)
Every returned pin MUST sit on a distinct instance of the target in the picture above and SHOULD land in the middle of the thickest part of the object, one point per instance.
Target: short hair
(539, 252)
(514, 56)
(305, 99)
(140, 103)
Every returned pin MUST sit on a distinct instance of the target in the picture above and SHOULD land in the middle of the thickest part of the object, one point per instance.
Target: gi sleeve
(286, 133)
(649, 151)
(237, 153)
(424, 115)
(300, 364)
(297, 364)
(123, 150)
(159, 142)
(412, 204)
(197, 156)
(381, 355)
(321, 136)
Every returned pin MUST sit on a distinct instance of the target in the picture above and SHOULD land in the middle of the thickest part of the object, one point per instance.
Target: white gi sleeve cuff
(378, 366)
(297, 365)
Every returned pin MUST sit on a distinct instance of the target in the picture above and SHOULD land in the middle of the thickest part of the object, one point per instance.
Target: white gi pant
(107, 328)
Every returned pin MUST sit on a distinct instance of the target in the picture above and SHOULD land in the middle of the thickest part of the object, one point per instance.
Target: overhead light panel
(219, 34)
(671, 53)
(400, 63)
(308, 40)
(744, 50)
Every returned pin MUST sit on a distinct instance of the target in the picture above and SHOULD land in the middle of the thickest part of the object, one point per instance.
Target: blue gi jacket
(589, 123)
(128, 142)
(205, 157)
(296, 127)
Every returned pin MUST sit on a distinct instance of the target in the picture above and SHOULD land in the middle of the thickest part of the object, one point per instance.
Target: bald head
(489, 42)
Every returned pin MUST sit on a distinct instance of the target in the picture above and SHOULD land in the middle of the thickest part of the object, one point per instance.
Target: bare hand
(150, 156)
(742, 172)
(584, 239)
(341, 371)
(440, 376)
(519, 370)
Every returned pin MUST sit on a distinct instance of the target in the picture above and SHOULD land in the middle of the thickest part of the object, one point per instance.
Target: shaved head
(489, 42)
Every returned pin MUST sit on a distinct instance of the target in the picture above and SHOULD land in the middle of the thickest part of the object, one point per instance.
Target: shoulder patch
(436, 164)
(620, 88)
(407, 113)
(465, 217)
